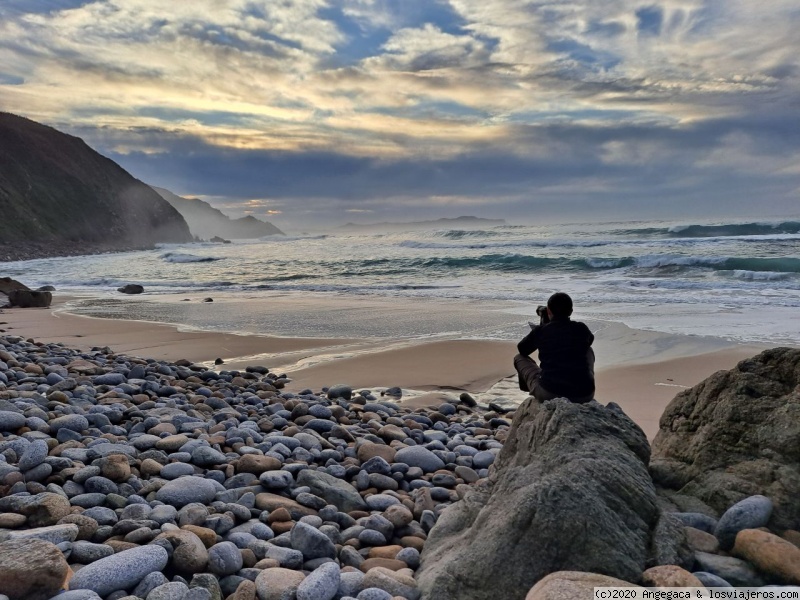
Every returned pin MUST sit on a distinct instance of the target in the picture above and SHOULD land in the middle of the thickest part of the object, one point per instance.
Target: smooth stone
(750, 513)
(311, 542)
(55, 534)
(573, 585)
(87, 552)
(393, 582)
(669, 576)
(31, 569)
(733, 570)
(374, 593)
(771, 555)
(335, 491)
(121, 571)
(169, 591)
(224, 559)
(149, 583)
(186, 490)
(417, 456)
(321, 584)
(33, 456)
(711, 580)
(278, 584)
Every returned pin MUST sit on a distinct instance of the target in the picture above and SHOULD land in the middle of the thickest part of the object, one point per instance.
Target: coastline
(639, 370)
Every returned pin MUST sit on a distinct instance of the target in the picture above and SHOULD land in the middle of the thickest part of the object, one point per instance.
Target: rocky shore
(128, 478)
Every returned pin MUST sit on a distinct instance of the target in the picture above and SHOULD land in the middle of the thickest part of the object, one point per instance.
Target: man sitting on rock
(565, 353)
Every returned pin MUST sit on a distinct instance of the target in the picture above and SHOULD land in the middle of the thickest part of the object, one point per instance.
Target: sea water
(738, 281)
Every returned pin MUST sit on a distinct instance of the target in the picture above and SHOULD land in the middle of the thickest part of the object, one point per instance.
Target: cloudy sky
(326, 111)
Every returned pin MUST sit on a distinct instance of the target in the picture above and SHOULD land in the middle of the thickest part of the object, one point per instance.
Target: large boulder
(570, 491)
(735, 435)
(29, 299)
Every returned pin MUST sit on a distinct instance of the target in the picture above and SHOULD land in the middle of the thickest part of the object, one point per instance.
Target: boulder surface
(736, 435)
(570, 491)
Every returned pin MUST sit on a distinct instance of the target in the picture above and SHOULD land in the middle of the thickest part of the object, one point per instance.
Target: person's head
(559, 305)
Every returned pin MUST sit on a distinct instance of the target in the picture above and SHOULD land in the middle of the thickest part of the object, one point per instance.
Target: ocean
(737, 281)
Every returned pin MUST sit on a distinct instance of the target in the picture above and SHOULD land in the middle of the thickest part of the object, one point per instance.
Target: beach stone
(397, 584)
(187, 490)
(11, 520)
(276, 480)
(374, 594)
(773, 556)
(334, 491)
(711, 580)
(11, 421)
(321, 584)
(350, 583)
(55, 534)
(750, 513)
(116, 468)
(189, 553)
(149, 583)
(169, 591)
(669, 576)
(701, 541)
(245, 591)
(697, 520)
(208, 582)
(572, 490)
(87, 552)
(78, 595)
(417, 456)
(204, 456)
(34, 455)
(311, 542)
(86, 525)
(370, 450)
(278, 584)
(31, 569)
(224, 559)
(41, 510)
(122, 571)
(257, 464)
(76, 423)
(340, 391)
(733, 570)
(572, 585)
(735, 435)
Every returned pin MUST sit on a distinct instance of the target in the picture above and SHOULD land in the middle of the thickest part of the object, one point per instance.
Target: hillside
(205, 221)
(58, 196)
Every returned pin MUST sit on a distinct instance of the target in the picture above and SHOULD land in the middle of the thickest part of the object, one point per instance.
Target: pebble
(750, 513)
(120, 571)
(219, 478)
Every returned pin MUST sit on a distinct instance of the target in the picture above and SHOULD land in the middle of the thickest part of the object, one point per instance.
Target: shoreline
(639, 370)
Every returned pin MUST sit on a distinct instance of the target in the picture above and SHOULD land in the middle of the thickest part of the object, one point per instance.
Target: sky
(320, 112)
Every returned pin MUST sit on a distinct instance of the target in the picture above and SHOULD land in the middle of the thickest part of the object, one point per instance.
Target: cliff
(58, 196)
(205, 221)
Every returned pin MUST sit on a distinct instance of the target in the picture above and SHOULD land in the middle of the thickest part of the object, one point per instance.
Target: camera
(544, 318)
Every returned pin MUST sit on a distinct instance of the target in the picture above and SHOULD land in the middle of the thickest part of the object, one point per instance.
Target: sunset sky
(326, 111)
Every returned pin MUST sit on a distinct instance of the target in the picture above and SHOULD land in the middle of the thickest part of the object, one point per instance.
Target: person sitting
(565, 354)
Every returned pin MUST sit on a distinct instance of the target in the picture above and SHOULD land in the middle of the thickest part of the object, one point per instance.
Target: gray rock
(737, 572)
(570, 492)
(698, 521)
(374, 594)
(276, 480)
(224, 559)
(86, 552)
(410, 556)
(77, 595)
(149, 583)
(750, 513)
(417, 456)
(55, 534)
(350, 583)
(668, 544)
(335, 491)
(720, 439)
(11, 421)
(340, 391)
(71, 422)
(311, 542)
(321, 584)
(169, 591)
(186, 490)
(711, 580)
(121, 571)
(205, 456)
(34, 455)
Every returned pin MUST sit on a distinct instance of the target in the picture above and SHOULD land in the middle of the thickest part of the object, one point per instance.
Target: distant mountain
(455, 223)
(58, 196)
(206, 222)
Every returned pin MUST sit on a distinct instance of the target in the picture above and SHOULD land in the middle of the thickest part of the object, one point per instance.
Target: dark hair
(560, 304)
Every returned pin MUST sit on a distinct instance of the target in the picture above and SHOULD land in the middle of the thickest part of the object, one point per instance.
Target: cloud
(325, 103)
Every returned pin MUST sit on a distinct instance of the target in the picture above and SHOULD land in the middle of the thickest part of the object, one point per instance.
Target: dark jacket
(563, 347)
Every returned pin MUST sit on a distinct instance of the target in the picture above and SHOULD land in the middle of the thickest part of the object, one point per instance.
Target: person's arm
(530, 343)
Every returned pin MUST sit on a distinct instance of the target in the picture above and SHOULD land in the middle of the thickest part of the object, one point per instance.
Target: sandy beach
(641, 371)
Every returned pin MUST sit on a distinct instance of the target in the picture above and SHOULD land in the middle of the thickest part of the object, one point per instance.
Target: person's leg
(541, 394)
(528, 371)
